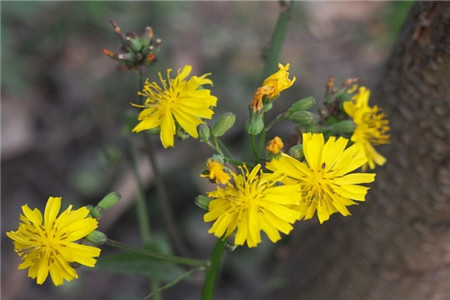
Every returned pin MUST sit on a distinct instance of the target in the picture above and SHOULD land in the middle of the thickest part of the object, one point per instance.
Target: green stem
(157, 255)
(276, 43)
(224, 148)
(213, 270)
(255, 152)
(144, 222)
(262, 140)
(216, 145)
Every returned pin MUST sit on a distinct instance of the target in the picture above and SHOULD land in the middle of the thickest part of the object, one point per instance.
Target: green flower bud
(304, 118)
(255, 124)
(225, 122)
(343, 127)
(109, 200)
(97, 212)
(202, 201)
(127, 56)
(204, 132)
(97, 237)
(296, 151)
(302, 104)
(90, 207)
(135, 44)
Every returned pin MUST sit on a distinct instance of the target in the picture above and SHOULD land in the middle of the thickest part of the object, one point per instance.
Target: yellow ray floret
(47, 244)
(253, 203)
(327, 187)
(371, 129)
(179, 102)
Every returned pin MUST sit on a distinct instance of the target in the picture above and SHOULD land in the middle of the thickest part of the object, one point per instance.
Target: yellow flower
(279, 81)
(216, 172)
(49, 246)
(324, 180)
(179, 102)
(254, 202)
(272, 87)
(371, 126)
(275, 145)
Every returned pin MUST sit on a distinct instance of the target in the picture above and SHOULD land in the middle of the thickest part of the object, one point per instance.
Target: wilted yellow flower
(254, 202)
(371, 129)
(272, 87)
(275, 145)
(49, 246)
(216, 172)
(279, 81)
(324, 180)
(179, 102)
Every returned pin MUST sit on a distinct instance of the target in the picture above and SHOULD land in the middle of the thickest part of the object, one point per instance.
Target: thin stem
(255, 152)
(276, 43)
(213, 270)
(224, 148)
(216, 145)
(157, 255)
(262, 140)
(142, 205)
(164, 203)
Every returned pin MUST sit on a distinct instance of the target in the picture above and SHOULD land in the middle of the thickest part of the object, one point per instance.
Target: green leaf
(138, 264)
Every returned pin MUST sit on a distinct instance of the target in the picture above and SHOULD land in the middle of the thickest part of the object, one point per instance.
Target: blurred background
(65, 106)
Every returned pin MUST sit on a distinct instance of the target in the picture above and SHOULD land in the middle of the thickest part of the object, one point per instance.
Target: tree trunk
(397, 244)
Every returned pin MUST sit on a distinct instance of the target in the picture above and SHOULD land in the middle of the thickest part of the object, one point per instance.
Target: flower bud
(303, 104)
(296, 151)
(126, 56)
(97, 237)
(97, 212)
(202, 201)
(346, 126)
(225, 122)
(255, 124)
(204, 132)
(275, 145)
(303, 118)
(109, 200)
(135, 44)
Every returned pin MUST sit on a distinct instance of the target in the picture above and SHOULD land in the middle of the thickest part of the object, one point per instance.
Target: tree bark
(397, 243)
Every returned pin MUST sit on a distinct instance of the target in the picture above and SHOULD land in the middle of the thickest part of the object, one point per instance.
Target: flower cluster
(319, 177)
(138, 52)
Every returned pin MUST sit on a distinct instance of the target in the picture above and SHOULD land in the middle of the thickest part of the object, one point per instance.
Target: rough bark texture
(397, 244)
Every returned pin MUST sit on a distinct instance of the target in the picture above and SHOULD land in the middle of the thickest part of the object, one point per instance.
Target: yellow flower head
(179, 102)
(216, 172)
(324, 180)
(275, 145)
(272, 87)
(371, 126)
(47, 243)
(254, 202)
